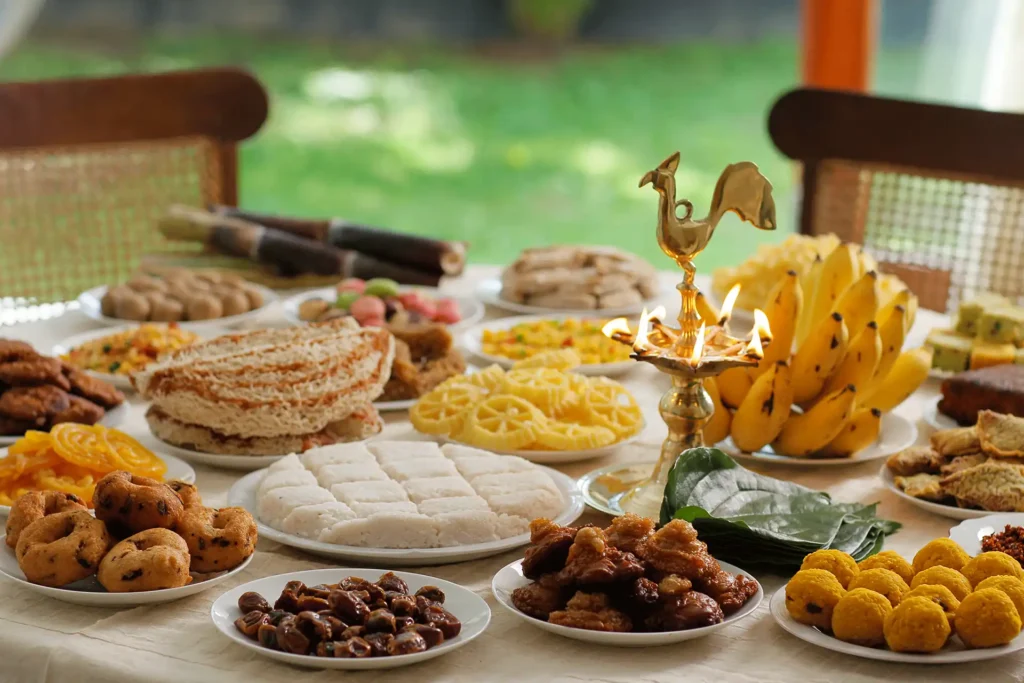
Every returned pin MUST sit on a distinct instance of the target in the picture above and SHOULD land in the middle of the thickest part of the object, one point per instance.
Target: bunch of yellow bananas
(834, 366)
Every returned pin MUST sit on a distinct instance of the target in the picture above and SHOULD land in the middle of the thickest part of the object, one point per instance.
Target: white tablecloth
(45, 640)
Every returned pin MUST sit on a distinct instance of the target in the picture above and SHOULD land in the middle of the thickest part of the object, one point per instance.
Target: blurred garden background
(482, 120)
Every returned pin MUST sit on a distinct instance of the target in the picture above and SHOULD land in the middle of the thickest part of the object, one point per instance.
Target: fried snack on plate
(71, 458)
(529, 408)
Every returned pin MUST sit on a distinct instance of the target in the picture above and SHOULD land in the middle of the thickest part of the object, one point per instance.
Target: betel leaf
(752, 518)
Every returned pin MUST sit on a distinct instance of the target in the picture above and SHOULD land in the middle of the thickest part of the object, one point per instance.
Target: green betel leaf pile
(742, 515)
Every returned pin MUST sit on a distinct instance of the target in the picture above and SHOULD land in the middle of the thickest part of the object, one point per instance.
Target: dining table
(42, 639)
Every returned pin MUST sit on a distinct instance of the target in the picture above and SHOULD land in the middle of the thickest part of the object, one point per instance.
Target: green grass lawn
(506, 155)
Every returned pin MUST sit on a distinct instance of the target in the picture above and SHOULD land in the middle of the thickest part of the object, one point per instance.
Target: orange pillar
(838, 43)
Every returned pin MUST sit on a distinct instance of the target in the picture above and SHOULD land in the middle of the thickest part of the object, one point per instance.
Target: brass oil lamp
(697, 348)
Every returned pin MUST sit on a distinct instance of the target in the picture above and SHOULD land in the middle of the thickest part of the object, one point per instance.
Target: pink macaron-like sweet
(367, 308)
(447, 311)
(352, 284)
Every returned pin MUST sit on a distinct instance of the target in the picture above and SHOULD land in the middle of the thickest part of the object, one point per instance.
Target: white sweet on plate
(420, 490)
(367, 509)
(276, 505)
(440, 506)
(336, 454)
(419, 468)
(284, 479)
(288, 462)
(311, 520)
(388, 452)
(406, 495)
(329, 475)
(475, 466)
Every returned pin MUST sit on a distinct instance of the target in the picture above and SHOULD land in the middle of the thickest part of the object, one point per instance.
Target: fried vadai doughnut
(35, 505)
(187, 493)
(62, 548)
(150, 560)
(130, 503)
(217, 539)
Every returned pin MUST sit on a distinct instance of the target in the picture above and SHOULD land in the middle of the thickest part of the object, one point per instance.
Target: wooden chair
(87, 165)
(935, 193)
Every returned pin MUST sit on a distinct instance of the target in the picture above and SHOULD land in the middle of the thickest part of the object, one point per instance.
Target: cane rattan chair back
(935, 193)
(87, 165)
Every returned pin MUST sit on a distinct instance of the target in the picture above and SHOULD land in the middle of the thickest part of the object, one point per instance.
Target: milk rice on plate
(405, 494)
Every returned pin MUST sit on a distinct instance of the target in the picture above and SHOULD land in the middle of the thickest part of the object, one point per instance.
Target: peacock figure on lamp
(697, 348)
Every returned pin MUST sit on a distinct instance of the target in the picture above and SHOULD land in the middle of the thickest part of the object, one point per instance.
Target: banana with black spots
(764, 410)
(810, 432)
(783, 311)
(908, 373)
(859, 303)
(858, 433)
(818, 357)
(858, 366)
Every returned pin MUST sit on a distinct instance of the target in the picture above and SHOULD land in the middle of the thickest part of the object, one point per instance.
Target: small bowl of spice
(1000, 532)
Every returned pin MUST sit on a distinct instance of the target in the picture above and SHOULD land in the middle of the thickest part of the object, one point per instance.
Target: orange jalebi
(71, 458)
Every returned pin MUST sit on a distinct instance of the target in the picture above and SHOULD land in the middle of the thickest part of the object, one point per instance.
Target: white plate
(111, 418)
(953, 653)
(242, 463)
(470, 609)
(471, 310)
(176, 469)
(243, 494)
(471, 341)
(897, 433)
(122, 382)
(90, 592)
(936, 420)
(970, 532)
(489, 291)
(511, 577)
(558, 457)
(89, 301)
(951, 511)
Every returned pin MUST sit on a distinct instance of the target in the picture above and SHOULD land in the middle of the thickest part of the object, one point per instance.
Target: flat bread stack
(579, 278)
(270, 392)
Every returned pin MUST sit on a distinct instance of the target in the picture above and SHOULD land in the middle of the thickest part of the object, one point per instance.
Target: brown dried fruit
(249, 623)
(353, 648)
(443, 619)
(432, 593)
(380, 621)
(347, 606)
(404, 606)
(291, 639)
(393, 583)
(267, 636)
(248, 602)
(379, 642)
(431, 634)
(311, 603)
(314, 626)
(407, 643)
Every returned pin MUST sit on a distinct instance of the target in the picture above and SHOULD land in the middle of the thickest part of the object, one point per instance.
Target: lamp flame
(641, 331)
(658, 313)
(730, 301)
(762, 326)
(760, 332)
(698, 345)
(616, 326)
